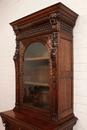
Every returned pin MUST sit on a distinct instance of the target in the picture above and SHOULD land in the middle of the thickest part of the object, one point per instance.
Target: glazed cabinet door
(35, 70)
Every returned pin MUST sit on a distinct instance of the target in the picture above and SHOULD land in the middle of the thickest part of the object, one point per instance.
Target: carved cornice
(65, 14)
(66, 27)
(43, 26)
(41, 29)
(27, 31)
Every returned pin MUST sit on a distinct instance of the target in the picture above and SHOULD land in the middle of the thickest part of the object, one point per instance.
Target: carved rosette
(54, 41)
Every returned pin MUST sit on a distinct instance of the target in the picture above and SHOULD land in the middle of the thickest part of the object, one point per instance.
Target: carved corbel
(5, 123)
(17, 31)
(55, 25)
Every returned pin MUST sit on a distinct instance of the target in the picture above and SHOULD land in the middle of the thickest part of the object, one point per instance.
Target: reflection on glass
(36, 76)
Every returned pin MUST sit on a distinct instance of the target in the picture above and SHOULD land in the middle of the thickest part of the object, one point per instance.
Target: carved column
(17, 66)
(54, 41)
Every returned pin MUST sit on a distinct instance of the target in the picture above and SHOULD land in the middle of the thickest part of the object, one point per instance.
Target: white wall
(11, 10)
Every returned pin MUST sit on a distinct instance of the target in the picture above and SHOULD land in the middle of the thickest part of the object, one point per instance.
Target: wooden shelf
(44, 106)
(36, 83)
(37, 59)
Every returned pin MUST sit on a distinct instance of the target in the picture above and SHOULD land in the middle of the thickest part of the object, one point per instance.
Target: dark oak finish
(44, 76)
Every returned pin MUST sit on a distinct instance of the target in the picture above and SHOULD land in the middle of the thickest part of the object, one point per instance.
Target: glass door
(36, 73)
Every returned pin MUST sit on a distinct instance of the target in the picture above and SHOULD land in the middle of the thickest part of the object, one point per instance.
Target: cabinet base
(18, 121)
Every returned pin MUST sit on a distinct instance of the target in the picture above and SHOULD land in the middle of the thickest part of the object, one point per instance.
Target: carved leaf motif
(17, 50)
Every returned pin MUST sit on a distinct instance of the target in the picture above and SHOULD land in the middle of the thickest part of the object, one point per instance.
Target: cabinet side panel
(65, 90)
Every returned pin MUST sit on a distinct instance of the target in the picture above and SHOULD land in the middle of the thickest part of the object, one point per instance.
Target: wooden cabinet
(44, 71)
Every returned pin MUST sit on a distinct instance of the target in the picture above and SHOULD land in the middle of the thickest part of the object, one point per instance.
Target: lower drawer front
(11, 127)
(16, 127)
